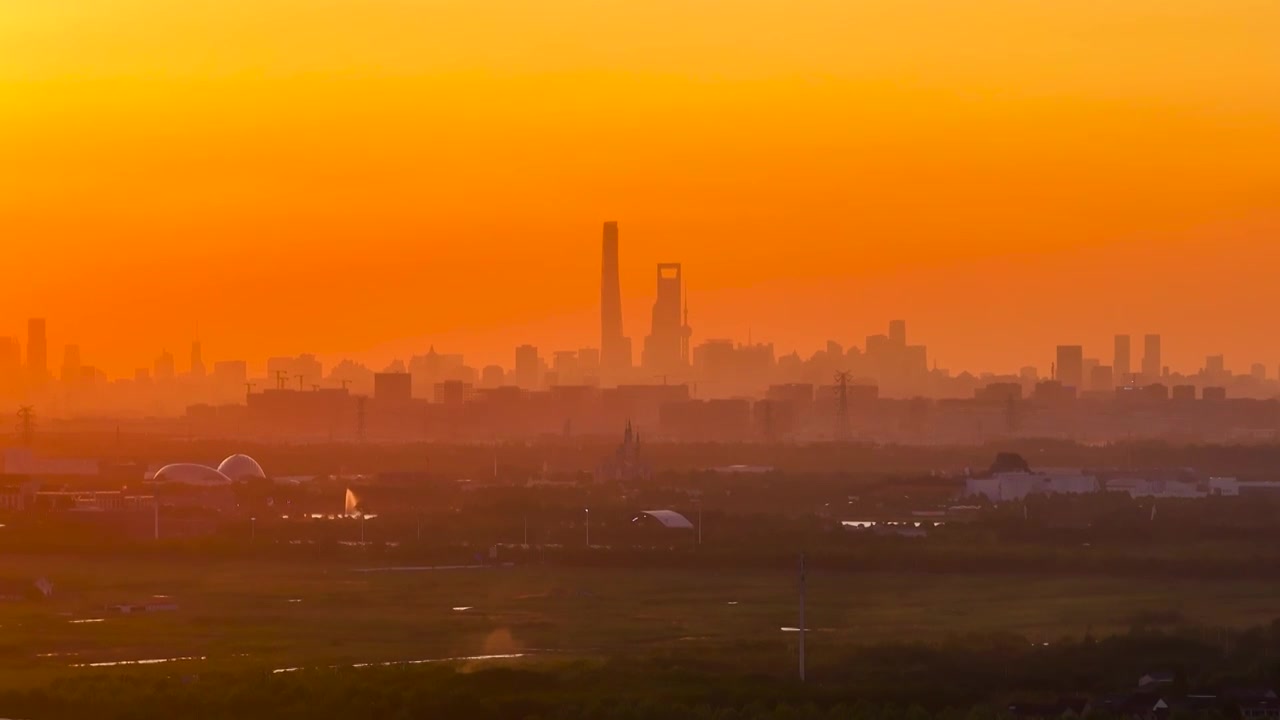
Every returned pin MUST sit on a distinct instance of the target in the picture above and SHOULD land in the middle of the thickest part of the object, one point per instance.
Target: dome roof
(191, 474)
(239, 467)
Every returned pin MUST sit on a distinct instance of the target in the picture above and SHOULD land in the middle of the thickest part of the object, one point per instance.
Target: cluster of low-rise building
(1011, 479)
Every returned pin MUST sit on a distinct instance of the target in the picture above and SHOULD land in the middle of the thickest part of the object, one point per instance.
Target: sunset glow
(362, 179)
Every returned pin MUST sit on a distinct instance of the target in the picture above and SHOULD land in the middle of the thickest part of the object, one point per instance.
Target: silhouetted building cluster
(718, 388)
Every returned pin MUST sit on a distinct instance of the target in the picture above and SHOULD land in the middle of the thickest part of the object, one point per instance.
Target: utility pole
(248, 390)
(588, 514)
(281, 377)
(803, 629)
(300, 377)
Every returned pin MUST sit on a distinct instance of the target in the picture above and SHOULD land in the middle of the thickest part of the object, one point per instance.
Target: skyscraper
(197, 360)
(1122, 362)
(615, 348)
(1071, 366)
(71, 364)
(666, 349)
(37, 350)
(164, 366)
(898, 332)
(527, 367)
(1151, 358)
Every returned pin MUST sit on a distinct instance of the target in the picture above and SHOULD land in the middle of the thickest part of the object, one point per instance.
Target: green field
(268, 615)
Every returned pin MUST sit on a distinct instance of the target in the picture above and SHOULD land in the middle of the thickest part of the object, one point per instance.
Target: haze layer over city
(615, 360)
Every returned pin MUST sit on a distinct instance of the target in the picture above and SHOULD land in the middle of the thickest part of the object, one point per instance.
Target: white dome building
(241, 467)
(190, 474)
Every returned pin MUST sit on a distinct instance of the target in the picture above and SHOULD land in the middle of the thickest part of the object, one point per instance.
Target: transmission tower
(842, 405)
(26, 424)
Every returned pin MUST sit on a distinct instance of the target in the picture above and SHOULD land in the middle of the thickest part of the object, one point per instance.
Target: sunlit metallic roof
(191, 474)
(239, 467)
(670, 518)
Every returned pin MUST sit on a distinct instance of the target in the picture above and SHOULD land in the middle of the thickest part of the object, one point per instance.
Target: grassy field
(270, 615)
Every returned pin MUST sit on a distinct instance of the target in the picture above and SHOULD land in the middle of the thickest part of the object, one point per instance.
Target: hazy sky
(365, 176)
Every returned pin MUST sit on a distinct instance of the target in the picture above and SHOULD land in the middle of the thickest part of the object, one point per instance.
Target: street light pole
(588, 512)
(803, 629)
(253, 529)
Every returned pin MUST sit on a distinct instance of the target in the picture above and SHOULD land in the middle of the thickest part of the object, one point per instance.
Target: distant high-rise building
(1215, 366)
(197, 360)
(898, 332)
(615, 348)
(666, 349)
(1258, 372)
(71, 364)
(164, 366)
(589, 365)
(1151, 357)
(528, 367)
(1102, 378)
(1086, 372)
(37, 350)
(294, 372)
(492, 376)
(393, 387)
(1071, 366)
(1121, 364)
(564, 363)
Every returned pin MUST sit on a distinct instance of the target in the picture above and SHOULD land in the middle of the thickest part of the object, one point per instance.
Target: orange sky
(364, 177)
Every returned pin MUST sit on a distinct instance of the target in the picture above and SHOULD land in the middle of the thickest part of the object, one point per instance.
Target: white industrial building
(1176, 488)
(1018, 484)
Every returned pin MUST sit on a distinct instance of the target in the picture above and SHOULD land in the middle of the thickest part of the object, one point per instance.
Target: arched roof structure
(190, 474)
(240, 467)
(670, 519)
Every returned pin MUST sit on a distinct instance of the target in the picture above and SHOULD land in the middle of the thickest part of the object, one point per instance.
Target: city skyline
(668, 351)
(1015, 169)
